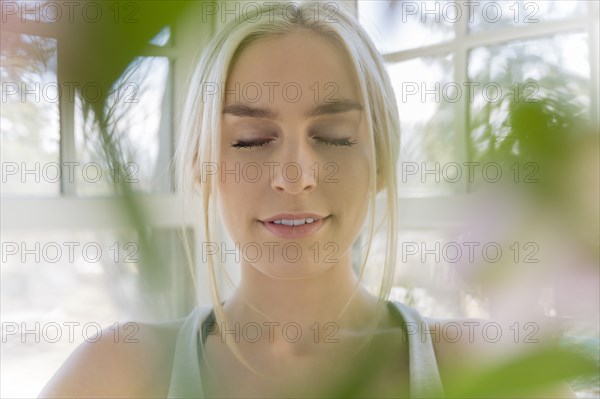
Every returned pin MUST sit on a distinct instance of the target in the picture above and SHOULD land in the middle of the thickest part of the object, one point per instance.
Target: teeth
(290, 222)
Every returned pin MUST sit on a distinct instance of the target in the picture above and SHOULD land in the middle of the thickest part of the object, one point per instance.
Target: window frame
(463, 42)
(29, 213)
(434, 212)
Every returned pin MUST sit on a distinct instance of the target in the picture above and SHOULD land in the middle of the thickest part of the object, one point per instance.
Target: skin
(303, 289)
(305, 292)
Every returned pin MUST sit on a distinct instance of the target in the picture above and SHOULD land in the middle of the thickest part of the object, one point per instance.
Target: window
(470, 79)
(438, 68)
(30, 118)
(455, 69)
(68, 245)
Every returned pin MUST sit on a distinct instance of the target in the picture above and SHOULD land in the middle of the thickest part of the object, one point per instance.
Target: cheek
(354, 172)
(233, 196)
(234, 189)
(233, 203)
(351, 190)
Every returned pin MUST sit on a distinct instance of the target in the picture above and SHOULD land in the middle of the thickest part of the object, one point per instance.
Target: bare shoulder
(127, 360)
(467, 345)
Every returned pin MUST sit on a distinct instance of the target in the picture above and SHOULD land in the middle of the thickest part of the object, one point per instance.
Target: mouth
(294, 226)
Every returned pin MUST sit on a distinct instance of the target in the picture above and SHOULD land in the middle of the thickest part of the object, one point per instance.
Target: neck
(318, 299)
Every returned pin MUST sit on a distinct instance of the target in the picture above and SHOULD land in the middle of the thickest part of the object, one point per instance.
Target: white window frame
(69, 212)
(444, 212)
(441, 212)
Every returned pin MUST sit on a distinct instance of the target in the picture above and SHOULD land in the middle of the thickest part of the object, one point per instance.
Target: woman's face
(294, 149)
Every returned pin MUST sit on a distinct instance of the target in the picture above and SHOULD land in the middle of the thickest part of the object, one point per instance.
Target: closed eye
(345, 142)
(249, 144)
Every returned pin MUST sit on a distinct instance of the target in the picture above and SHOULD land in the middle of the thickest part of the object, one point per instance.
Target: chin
(288, 270)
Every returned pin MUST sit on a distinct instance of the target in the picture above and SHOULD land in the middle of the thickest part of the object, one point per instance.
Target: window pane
(556, 69)
(398, 25)
(92, 279)
(426, 97)
(163, 38)
(29, 122)
(141, 131)
(488, 14)
(425, 274)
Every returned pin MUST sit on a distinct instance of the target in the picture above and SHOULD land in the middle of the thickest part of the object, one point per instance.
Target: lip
(291, 232)
(294, 216)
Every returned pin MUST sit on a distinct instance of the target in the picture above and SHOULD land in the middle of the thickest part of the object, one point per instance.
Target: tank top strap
(185, 375)
(425, 381)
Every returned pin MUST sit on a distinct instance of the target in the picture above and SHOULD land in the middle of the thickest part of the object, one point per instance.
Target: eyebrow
(334, 107)
(249, 112)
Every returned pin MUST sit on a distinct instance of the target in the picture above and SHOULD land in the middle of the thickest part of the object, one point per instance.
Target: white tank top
(186, 380)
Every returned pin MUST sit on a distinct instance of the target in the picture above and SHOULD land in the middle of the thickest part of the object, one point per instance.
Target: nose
(297, 170)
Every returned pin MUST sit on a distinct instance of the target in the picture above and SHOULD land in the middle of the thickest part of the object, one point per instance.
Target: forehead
(317, 64)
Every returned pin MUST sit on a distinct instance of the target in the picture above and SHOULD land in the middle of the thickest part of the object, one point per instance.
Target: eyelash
(249, 144)
(345, 142)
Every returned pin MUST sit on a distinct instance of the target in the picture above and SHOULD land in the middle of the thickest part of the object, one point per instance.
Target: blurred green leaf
(527, 374)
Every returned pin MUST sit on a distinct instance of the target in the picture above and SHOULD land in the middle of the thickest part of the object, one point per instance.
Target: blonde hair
(199, 138)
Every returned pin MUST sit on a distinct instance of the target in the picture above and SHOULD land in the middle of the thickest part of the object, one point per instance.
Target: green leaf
(531, 372)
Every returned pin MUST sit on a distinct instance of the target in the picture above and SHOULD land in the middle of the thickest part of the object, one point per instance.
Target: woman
(291, 131)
